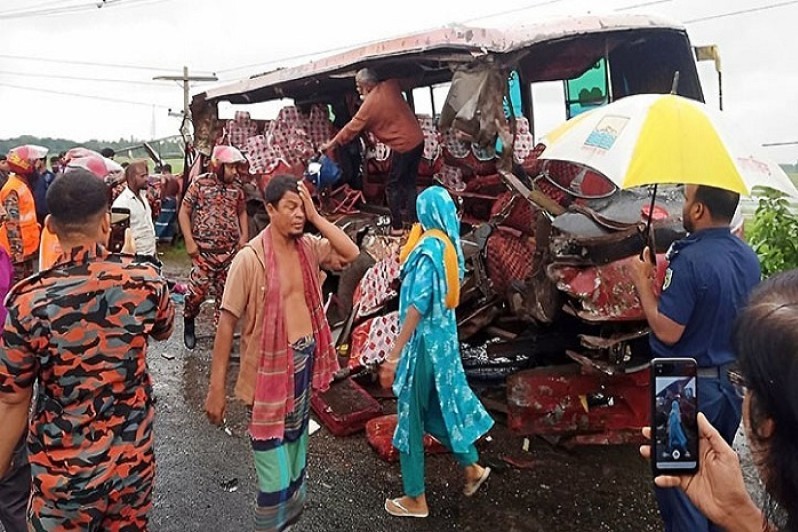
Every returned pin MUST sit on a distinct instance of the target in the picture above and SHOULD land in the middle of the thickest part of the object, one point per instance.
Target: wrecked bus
(553, 333)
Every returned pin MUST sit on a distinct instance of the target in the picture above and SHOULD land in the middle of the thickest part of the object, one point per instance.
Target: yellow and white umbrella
(651, 139)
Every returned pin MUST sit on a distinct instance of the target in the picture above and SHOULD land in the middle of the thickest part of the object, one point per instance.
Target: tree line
(167, 148)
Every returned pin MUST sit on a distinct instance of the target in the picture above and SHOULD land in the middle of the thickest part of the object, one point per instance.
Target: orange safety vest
(28, 225)
(49, 249)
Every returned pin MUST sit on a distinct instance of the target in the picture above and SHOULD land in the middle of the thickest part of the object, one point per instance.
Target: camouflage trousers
(113, 492)
(208, 273)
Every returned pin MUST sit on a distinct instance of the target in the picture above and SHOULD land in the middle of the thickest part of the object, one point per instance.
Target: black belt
(713, 372)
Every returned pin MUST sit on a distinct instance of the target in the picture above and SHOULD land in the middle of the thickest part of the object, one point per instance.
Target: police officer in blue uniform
(710, 275)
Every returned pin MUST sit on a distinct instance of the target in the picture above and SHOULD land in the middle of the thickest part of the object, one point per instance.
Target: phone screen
(674, 427)
(120, 220)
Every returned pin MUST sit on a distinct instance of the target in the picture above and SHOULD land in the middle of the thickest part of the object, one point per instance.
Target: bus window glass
(422, 101)
(548, 110)
(588, 90)
(514, 88)
(439, 92)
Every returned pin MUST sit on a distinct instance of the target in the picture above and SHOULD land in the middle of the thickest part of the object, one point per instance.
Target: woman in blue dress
(424, 365)
(676, 436)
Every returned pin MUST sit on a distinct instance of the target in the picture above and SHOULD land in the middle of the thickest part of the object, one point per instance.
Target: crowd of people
(76, 402)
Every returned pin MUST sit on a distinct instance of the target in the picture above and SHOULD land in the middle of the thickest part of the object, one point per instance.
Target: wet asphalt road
(588, 488)
(205, 480)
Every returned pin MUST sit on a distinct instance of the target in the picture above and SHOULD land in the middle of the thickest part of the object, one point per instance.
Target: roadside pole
(186, 79)
(712, 53)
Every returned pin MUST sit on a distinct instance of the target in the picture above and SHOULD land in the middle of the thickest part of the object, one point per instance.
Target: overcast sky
(238, 38)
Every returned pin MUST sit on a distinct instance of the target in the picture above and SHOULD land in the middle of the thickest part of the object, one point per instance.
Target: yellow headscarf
(417, 234)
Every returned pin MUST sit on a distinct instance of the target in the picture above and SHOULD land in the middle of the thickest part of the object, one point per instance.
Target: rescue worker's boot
(188, 333)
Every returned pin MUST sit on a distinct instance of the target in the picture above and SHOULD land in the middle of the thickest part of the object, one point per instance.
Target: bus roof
(442, 47)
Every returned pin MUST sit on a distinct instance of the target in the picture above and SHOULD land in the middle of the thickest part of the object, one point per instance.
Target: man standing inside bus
(386, 114)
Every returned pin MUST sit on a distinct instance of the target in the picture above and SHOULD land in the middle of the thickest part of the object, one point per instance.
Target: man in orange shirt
(19, 235)
(386, 114)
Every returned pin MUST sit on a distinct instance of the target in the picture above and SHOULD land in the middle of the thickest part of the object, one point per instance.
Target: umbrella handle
(649, 240)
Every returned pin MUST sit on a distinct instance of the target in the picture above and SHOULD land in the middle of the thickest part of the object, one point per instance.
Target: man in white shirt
(134, 198)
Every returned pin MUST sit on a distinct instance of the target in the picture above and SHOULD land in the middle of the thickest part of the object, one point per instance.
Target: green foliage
(774, 234)
(125, 148)
(58, 145)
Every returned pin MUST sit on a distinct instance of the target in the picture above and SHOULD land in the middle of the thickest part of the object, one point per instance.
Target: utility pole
(712, 53)
(186, 79)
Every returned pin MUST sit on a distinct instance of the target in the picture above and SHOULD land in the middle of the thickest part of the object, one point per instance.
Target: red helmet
(21, 160)
(226, 155)
(109, 171)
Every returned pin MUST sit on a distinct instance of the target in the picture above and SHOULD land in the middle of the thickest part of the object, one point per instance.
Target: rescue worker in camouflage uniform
(19, 234)
(214, 224)
(81, 329)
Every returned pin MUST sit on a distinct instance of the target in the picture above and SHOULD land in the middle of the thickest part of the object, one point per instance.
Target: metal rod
(653, 252)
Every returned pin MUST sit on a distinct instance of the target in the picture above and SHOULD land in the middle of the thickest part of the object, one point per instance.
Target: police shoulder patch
(668, 278)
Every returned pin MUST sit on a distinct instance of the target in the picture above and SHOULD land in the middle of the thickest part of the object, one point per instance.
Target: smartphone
(674, 411)
(120, 221)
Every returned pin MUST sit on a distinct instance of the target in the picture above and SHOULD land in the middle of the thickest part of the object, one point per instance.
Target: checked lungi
(280, 463)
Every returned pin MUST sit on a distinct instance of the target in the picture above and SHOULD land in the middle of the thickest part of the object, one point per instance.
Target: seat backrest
(432, 138)
(451, 178)
(240, 129)
(320, 128)
(457, 148)
(524, 141)
(289, 134)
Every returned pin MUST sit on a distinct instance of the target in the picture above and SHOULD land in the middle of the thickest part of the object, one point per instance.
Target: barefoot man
(286, 345)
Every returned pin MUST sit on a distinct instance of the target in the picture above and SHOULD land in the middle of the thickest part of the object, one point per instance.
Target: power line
(78, 95)
(77, 8)
(511, 11)
(153, 84)
(741, 12)
(298, 56)
(85, 63)
(46, 3)
(644, 4)
(374, 41)
(786, 143)
(59, 10)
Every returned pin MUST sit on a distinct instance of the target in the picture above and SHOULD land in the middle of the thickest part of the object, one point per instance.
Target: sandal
(472, 486)
(396, 508)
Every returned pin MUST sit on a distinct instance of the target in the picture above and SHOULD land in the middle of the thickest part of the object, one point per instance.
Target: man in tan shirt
(284, 251)
(386, 114)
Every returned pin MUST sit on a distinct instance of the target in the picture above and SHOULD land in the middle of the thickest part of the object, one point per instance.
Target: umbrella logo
(754, 165)
(606, 132)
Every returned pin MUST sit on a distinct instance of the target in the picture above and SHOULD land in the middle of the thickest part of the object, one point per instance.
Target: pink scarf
(274, 387)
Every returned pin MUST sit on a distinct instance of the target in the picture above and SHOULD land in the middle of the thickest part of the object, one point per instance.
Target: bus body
(548, 243)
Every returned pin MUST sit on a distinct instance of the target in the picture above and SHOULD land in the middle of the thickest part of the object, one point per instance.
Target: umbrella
(651, 139)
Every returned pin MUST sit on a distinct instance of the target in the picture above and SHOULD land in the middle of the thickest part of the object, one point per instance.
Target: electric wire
(741, 12)
(79, 95)
(152, 84)
(89, 63)
(644, 4)
(76, 8)
(327, 51)
(28, 6)
(512, 11)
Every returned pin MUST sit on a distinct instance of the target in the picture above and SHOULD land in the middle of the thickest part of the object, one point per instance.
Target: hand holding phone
(674, 411)
(717, 488)
(129, 247)
(120, 223)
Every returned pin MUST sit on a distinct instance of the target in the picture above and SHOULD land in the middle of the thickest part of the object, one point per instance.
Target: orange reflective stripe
(28, 226)
(49, 250)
